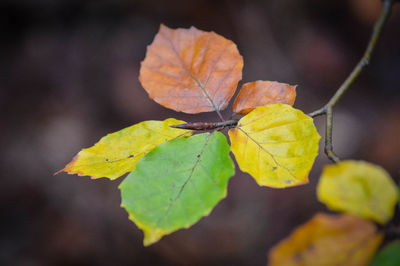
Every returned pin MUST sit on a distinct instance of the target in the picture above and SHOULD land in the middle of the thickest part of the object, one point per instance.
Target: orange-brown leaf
(328, 240)
(190, 70)
(259, 93)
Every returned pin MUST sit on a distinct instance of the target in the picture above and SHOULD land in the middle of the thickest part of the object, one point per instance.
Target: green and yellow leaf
(118, 153)
(358, 188)
(336, 240)
(177, 183)
(276, 144)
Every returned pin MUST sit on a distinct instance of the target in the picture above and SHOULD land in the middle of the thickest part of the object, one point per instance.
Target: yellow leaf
(118, 153)
(328, 240)
(358, 188)
(276, 144)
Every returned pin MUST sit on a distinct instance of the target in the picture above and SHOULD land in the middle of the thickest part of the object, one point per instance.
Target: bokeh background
(69, 75)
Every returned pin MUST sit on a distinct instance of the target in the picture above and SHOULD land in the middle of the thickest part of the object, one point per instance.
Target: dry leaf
(328, 240)
(190, 70)
(259, 93)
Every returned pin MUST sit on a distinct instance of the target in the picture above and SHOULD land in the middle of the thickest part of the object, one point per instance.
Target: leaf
(398, 192)
(276, 144)
(358, 188)
(190, 70)
(388, 256)
(259, 93)
(118, 153)
(328, 240)
(177, 183)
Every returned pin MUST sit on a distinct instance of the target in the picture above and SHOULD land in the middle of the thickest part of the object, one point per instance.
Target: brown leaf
(328, 240)
(259, 93)
(190, 70)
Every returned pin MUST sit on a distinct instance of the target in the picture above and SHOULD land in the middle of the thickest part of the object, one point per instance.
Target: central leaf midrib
(145, 150)
(186, 181)
(266, 151)
(198, 83)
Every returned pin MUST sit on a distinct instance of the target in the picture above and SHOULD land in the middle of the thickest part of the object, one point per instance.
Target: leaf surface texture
(190, 70)
(258, 93)
(358, 188)
(177, 183)
(276, 144)
(328, 240)
(118, 152)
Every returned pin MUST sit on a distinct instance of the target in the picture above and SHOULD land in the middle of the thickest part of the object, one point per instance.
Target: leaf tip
(69, 166)
(59, 171)
(163, 27)
(152, 236)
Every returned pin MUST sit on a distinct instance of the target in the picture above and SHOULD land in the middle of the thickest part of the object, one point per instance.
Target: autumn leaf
(388, 256)
(259, 93)
(190, 70)
(328, 240)
(276, 144)
(118, 153)
(358, 188)
(177, 183)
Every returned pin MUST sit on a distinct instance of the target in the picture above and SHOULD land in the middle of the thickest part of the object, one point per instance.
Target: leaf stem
(327, 109)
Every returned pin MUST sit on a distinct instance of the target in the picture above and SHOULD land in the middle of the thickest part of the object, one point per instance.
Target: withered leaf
(190, 70)
(328, 240)
(259, 93)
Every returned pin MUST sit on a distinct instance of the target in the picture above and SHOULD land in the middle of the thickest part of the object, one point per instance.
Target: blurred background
(69, 75)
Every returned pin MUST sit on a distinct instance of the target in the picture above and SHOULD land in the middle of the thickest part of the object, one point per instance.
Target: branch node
(364, 61)
(331, 155)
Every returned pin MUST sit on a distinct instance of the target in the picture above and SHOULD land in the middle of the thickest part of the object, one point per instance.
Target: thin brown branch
(207, 125)
(327, 109)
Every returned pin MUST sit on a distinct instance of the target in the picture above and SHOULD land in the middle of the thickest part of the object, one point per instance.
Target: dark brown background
(69, 75)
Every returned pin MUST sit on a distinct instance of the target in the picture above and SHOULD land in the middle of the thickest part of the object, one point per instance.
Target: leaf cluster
(178, 175)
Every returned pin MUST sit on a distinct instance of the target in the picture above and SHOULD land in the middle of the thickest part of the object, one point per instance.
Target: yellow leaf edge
(153, 234)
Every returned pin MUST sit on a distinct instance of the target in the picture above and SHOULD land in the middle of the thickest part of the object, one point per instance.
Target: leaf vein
(185, 183)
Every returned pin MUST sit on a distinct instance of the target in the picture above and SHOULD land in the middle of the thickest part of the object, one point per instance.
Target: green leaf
(398, 192)
(388, 256)
(177, 183)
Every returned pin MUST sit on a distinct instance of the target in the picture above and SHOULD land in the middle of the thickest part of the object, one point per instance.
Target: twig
(327, 109)
(207, 125)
